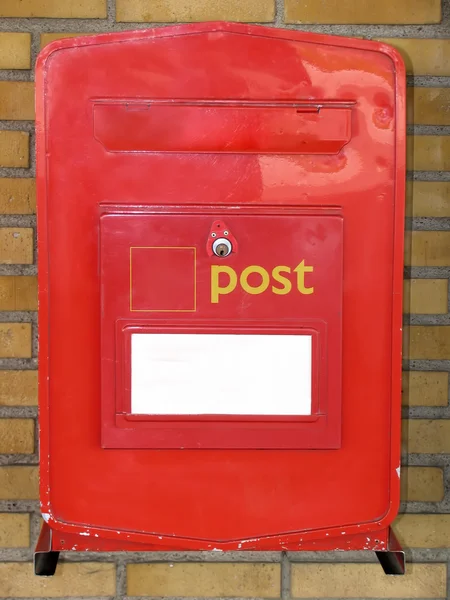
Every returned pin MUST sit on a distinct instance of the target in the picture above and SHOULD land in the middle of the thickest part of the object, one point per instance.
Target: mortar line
(35, 49)
(111, 13)
(279, 13)
(83, 25)
(285, 577)
(448, 580)
(121, 578)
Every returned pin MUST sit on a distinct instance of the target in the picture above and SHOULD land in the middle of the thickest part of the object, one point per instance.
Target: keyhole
(222, 247)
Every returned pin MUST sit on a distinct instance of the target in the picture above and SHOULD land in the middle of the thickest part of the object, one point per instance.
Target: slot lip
(229, 102)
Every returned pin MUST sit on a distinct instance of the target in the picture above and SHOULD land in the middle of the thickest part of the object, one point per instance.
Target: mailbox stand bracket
(45, 559)
(393, 559)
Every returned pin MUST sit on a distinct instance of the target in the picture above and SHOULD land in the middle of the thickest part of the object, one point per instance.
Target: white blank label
(198, 374)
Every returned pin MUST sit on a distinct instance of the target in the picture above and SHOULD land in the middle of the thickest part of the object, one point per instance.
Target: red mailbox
(220, 212)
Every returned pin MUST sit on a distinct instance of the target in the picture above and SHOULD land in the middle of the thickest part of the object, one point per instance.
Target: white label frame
(221, 374)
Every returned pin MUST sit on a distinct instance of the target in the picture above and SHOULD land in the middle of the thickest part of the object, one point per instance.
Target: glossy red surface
(98, 145)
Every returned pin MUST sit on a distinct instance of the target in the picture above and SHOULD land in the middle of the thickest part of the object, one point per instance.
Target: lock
(222, 247)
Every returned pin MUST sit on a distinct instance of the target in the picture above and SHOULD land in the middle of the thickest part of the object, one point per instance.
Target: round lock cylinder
(222, 247)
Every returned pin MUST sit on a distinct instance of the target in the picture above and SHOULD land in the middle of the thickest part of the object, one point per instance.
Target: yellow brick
(420, 296)
(424, 436)
(46, 38)
(57, 9)
(17, 580)
(426, 342)
(17, 100)
(325, 580)
(363, 11)
(423, 531)
(15, 340)
(16, 436)
(193, 10)
(15, 51)
(422, 56)
(17, 196)
(19, 483)
(16, 246)
(14, 149)
(428, 106)
(204, 579)
(422, 484)
(18, 293)
(14, 530)
(428, 198)
(427, 248)
(428, 153)
(424, 388)
(18, 388)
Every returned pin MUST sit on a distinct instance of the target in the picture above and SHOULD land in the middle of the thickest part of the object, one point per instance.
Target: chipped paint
(250, 540)
(397, 470)
(46, 517)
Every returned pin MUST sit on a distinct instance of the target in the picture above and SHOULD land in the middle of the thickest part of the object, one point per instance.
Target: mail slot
(258, 127)
(220, 280)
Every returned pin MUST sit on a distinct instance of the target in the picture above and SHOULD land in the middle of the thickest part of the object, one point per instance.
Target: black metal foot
(45, 563)
(393, 559)
(45, 559)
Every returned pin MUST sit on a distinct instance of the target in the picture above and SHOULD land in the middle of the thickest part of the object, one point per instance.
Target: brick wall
(419, 28)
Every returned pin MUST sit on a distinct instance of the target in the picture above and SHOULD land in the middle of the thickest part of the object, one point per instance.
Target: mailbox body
(284, 430)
